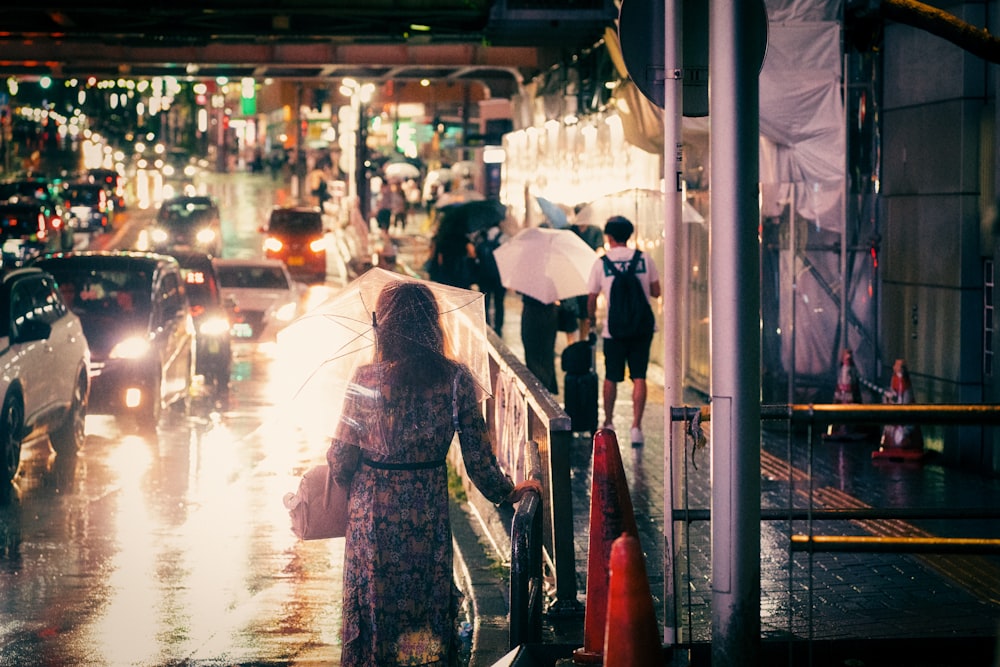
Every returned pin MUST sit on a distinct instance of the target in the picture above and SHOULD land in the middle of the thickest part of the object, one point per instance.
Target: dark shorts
(621, 351)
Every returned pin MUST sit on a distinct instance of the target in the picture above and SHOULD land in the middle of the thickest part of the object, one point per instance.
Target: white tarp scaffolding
(814, 301)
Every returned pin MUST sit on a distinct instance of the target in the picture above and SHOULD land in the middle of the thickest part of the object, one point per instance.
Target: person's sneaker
(637, 438)
(609, 426)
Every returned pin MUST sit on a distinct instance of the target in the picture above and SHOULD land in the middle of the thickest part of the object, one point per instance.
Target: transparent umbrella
(325, 352)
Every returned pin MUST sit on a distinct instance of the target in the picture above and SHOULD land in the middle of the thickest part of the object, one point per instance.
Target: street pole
(361, 156)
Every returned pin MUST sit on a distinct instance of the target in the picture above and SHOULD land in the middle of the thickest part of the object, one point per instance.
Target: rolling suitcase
(580, 386)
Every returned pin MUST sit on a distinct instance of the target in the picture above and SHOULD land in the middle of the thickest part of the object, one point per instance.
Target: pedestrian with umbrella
(545, 266)
(401, 409)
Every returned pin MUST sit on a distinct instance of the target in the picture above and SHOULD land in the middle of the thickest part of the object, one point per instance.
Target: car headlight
(206, 235)
(158, 235)
(286, 313)
(134, 347)
(272, 244)
(319, 245)
(214, 326)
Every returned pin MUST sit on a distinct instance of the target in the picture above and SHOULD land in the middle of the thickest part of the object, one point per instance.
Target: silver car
(44, 363)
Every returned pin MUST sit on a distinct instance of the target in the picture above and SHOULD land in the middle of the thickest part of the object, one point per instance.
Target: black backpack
(629, 312)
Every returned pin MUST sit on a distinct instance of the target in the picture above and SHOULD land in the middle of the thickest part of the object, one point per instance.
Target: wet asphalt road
(172, 547)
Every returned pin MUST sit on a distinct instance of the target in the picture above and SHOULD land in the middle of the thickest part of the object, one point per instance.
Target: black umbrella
(476, 215)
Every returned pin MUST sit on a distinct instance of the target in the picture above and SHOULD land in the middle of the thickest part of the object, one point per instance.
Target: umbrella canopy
(321, 351)
(400, 171)
(442, 175)
(636, 204)
(556, 215)
(477, 214)
(464, 168)
(546, 264)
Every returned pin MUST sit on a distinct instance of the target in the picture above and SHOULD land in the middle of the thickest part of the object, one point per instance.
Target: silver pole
(673, 81)
(735, 336)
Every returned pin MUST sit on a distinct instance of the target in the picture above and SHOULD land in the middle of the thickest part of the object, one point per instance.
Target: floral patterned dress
(398, 606)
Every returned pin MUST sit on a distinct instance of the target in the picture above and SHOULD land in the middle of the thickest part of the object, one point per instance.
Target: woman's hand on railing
(524, 487)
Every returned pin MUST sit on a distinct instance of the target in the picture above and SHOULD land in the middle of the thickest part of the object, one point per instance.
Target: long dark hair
(409, 338)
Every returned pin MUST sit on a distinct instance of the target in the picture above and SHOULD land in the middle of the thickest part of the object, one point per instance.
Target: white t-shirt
(600, 277)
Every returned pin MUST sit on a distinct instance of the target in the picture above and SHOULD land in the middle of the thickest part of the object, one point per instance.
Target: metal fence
(817, 522)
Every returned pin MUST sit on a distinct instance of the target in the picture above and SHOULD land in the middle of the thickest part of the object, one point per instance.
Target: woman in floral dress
(398, 421)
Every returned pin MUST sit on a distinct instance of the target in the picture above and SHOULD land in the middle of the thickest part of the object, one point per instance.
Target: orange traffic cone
(611, 515)
(632, 636)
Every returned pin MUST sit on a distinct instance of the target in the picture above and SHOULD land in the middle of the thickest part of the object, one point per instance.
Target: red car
(297, 236)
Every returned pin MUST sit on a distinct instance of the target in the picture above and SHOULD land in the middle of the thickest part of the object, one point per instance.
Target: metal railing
(818, 512)
(526, 583)
(522, 411)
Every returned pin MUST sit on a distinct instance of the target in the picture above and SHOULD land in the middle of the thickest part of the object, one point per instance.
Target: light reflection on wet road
(173, 547)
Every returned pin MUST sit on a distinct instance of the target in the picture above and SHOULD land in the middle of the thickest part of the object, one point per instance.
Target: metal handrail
(548, 425)
(526, 572)
(845, 413)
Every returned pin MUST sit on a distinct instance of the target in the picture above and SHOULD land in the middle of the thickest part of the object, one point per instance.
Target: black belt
(415, 465)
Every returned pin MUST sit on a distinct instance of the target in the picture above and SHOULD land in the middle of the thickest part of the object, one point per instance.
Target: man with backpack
(628, 279)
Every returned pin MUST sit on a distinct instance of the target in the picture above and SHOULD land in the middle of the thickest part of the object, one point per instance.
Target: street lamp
(360, 95)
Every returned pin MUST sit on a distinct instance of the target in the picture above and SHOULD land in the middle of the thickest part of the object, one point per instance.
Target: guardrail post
(560, 502)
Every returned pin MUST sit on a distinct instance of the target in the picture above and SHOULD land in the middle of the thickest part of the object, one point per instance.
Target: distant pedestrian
(632, 352)
(383, 207)
(452, 258)
(539, 328)
(488, 280)
(594, 237)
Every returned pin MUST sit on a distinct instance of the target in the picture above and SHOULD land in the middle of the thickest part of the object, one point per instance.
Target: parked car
(211, 321)
(112, 182)
(137, 320)
(44, 360)
(90, 207)
(187, 223)
(296, 235)
(263, 294)
(29, 228)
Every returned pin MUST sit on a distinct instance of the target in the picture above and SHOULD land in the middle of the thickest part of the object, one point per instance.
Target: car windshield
(103, 292)
(186, 211)
(252, 277)
(295, 222)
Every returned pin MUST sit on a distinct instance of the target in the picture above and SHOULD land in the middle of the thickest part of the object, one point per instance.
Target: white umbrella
(546, 264)
(400, 171)
(464, 168)
(442, 175)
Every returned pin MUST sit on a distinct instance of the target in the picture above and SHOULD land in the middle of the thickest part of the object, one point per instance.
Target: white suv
(44, 379)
